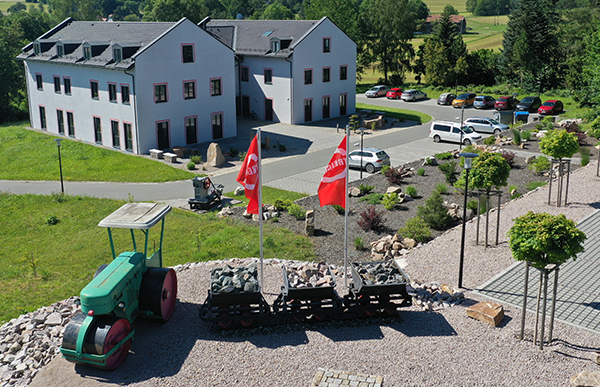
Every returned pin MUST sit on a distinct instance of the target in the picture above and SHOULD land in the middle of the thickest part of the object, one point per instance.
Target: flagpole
(346, 209)
(260, 209)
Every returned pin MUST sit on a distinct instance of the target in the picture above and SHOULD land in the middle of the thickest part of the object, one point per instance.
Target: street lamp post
(362, 132)
(62, 187)
(468, 159)
(462, 119)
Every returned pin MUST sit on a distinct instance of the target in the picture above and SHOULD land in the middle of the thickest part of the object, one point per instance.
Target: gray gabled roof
(253, 37)
(133, 37)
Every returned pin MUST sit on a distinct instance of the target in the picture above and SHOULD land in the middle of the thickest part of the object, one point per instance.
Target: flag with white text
(248, 176)
(332, 189)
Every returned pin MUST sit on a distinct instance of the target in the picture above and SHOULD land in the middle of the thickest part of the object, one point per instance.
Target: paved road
(301, 172)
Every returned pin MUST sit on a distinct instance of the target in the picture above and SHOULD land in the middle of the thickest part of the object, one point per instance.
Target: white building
(291, 71)
(130, 85)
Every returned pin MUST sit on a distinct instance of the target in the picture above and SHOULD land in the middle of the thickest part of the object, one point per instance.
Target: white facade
(159, 63)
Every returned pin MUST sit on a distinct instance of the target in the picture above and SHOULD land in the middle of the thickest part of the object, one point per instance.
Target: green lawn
(269, 195)
(437, 6)
(402, 114)
(69, 252)
(30, 155)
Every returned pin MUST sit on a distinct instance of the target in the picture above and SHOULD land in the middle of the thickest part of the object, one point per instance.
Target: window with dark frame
(128, 136)
(94, 89)
(60, 50)
(326, 74)
(87, 52)
(326, 104)
(67, 84)
(160, 93)
(187, 53)
(97, 130)
(117, 54)
(43, 117)
(116, 137)
(57, 84)
(326, 44)
(71, 124)
(343, 73)
(112, 92)
(189, 90)
(124, 94)
(60, 119)
(268, 74)
(191, 136)
(245, 74)
(308, 76)
(39, 82)
(215, 87)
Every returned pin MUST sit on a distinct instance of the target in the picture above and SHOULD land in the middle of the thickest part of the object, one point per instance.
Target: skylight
(268, 33)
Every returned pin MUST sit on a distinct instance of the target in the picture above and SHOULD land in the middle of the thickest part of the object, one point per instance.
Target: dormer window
(60, 50)
(37, 48)
(87, 52)
(117, 54)
(275, 45)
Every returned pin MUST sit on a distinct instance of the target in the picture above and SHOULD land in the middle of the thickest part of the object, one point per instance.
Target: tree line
(547, 44)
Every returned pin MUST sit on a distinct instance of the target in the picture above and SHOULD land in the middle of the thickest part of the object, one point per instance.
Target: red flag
(332, 189)
(248, 176)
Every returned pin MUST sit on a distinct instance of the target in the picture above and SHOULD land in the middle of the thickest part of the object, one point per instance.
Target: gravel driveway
(443, 348)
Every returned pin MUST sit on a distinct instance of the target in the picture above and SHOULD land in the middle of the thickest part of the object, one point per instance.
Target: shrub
(430, 161)
(441, 188)
(512, 190)
(472, 205)
(540, 164)
(559, 144)
(394, 176)
(509, 157)
(449, 170)
(359, 244)
(340, 210)
(373, 198)
(365, 189)
(411, 191)
(242, 155)
(444, 156)
(421, 172)
(490, 140)
(51, 220)
(196, 159)
(233, 152)
(526, 135)
(282, 205)
(59, 197)
(296, 211)
(390, 201)
(539, 127)
(434, 213)
(384, 169)
(516, 136)
(535, 184)
(547, 123)
(585, 156)
(282, 148)
(417, 229)
(191, 165)
(371, 219)
(594, 130)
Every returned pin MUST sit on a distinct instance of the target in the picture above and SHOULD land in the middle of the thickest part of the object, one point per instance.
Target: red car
(552, 106)
(506, 103)
(394, 93)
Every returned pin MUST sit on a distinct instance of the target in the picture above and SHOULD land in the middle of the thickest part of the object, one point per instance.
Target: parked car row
(529, 104)
(395, 93)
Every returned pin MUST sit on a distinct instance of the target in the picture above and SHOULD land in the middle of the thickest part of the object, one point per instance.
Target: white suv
(452, 131)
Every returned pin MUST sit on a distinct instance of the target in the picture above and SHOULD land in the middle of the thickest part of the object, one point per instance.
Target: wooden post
(522, 334)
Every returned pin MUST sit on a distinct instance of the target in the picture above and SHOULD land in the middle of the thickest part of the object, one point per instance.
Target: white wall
(309, 54)
(258, 90)
(80, 101)
(161, 63)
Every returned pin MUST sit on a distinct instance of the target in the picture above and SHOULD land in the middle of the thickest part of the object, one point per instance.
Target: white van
(452, 131)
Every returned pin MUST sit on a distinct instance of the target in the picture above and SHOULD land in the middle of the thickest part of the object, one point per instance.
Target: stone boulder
(391, 190)
(488, 312)
(586, 379)
(309, 224)
(214, 156)
(354, 192)
(239, 191)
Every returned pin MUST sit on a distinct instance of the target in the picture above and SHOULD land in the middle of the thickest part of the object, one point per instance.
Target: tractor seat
(104, 292)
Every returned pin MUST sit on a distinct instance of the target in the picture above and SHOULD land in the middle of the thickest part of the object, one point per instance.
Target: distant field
(437, 6)
(5, 5)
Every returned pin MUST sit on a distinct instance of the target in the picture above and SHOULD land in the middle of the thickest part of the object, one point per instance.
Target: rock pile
(390, 247)
(309, 275)
(227, 279)
(29, 342)
(434, 296)
(380, 273)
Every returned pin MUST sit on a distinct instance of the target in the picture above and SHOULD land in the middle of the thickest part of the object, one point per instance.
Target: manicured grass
(402, 114)
(437, 6)
(69, 252)
(31, 155)
(269, 195)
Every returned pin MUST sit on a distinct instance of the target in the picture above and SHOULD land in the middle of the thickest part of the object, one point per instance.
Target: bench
(170, 157)
(156, 154)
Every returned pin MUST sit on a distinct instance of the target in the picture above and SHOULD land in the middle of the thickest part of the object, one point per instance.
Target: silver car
(413, 95)
(377, 91)
(370, 159)
(485, 125)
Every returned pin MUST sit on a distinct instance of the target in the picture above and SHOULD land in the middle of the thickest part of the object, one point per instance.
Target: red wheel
(246, 321)
(224, 324)
(118, 331)
(371, 312)
(158, 293)
(319, 317)
(391, 310)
